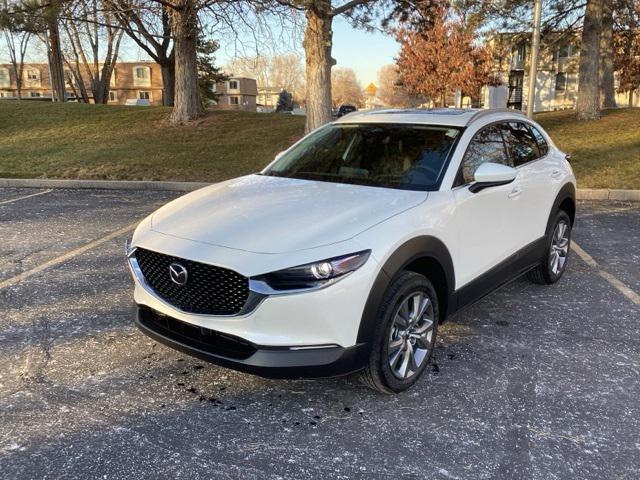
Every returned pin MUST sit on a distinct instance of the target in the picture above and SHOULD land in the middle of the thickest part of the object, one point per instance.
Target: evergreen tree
(208, 74)
(285, 102)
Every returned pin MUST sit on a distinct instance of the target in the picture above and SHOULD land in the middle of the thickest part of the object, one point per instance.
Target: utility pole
(533, 60)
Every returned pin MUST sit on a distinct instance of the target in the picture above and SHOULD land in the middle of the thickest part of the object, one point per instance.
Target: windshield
(409, 157)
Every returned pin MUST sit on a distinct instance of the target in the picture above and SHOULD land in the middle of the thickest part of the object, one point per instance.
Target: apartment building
(556, 77)
(130, 81)
(237, 93)
(268, 98)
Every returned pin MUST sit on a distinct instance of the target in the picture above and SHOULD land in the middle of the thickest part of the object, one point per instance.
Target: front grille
(209, 290)
(193, 336)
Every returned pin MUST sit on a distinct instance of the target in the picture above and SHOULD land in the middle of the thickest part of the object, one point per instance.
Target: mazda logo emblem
(178, 274)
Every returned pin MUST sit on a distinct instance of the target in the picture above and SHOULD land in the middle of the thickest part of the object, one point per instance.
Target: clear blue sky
(365, 52)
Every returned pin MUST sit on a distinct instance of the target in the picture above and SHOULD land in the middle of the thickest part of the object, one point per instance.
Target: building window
(568, 51)
(519, 54)
(33, 74)
(6, 95)
(143, 95)
(234, 100)
(112, 96)
(561, 82)
(5, 79)
(142, 76)
(233, 85)
(35, 94)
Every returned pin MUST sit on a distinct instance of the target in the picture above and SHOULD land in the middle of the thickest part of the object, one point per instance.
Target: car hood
(266, 214)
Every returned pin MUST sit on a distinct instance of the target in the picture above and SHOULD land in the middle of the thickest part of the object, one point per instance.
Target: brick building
(130, 81)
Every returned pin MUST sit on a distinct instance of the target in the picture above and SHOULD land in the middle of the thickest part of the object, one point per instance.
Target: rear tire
(405, 335)
(557, 248)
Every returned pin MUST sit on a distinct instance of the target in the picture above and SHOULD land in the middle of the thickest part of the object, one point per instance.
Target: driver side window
(486, 146)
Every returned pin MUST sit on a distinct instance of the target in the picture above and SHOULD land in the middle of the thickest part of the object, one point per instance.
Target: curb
(581, 194)
(608, 194)
(101, 184)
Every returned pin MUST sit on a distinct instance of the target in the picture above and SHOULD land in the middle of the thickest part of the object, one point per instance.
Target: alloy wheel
(411, 335)
(559, 248)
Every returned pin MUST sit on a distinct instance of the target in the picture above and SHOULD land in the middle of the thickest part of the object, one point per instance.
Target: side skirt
(508, 270)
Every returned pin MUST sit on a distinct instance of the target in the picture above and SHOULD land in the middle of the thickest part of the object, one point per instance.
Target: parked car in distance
(345, 109)
(346, 253)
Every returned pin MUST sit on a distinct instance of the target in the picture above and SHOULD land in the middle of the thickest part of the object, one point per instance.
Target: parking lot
(532, 382)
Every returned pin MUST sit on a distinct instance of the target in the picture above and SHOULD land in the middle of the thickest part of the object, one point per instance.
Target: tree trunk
(168, 82)
(55, 60)
(607, 83)
(184, 28)
(631, 98)
(317, 48)
(19, 73)
(588, 104)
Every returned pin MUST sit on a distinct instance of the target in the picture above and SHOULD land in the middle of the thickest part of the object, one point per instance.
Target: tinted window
(520, 142)
(542, 143)
(410, 157)
(487, 146)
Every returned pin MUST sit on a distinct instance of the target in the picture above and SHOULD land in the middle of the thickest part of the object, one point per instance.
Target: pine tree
(285, 102)
(208, 74)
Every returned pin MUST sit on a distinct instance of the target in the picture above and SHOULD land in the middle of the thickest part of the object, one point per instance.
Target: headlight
(312, 275)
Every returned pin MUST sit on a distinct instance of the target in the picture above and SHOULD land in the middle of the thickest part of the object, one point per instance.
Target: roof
(453, 117)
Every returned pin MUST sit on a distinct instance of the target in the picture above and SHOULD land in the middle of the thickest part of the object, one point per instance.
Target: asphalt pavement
(532, 382)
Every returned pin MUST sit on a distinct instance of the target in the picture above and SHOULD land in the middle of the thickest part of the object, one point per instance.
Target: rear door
(535, 176)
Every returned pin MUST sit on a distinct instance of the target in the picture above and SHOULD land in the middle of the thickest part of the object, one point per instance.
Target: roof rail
(489, 111)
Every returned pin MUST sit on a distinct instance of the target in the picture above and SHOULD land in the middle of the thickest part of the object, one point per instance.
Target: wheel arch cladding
(425, 255)
(565, 200)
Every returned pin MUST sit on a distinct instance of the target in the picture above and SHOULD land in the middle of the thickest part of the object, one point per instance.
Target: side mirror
(492, 175)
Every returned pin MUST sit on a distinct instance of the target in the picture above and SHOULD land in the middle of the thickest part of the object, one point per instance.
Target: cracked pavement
(531, 382)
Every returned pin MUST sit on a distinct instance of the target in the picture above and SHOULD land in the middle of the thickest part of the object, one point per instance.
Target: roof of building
(454, 117)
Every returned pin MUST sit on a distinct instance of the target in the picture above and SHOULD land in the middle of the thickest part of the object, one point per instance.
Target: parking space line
(617, 284)
(25, 197)
(67, 256)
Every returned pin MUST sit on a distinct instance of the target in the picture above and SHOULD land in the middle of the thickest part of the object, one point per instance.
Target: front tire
(405, 335)
(558, 245)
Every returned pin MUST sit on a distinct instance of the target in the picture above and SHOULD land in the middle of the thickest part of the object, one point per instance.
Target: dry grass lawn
(605, 153)
(39, 139)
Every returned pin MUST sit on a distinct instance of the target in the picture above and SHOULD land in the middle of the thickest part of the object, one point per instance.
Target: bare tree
(282, 71)
(147, 24)
(17, 40)
(93, 42)
(391, 90)
(345, 87)
(317, 43)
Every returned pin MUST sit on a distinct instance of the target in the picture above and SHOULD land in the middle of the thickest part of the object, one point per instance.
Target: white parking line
(26, 196)
(67, 256)
(617, 284)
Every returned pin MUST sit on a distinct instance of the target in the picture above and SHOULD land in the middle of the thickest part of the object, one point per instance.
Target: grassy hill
(605, 153)
(40, 139)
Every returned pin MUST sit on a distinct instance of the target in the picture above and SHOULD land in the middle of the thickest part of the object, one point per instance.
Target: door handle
(556, 174)
(515, 193)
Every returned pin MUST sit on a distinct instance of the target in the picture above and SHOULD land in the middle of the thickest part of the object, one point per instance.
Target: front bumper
(239, 354)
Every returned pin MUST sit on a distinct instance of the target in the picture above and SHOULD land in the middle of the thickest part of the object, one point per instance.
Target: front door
(485, 221)
(516, 82)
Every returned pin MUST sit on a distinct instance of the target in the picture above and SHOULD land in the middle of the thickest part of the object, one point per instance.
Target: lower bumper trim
(239, 354)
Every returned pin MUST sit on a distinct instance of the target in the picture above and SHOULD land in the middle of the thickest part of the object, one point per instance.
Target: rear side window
(543, 146)
(487, 146)
(520, 142)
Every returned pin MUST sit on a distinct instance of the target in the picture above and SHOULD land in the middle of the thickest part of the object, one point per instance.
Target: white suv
(346, 252)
